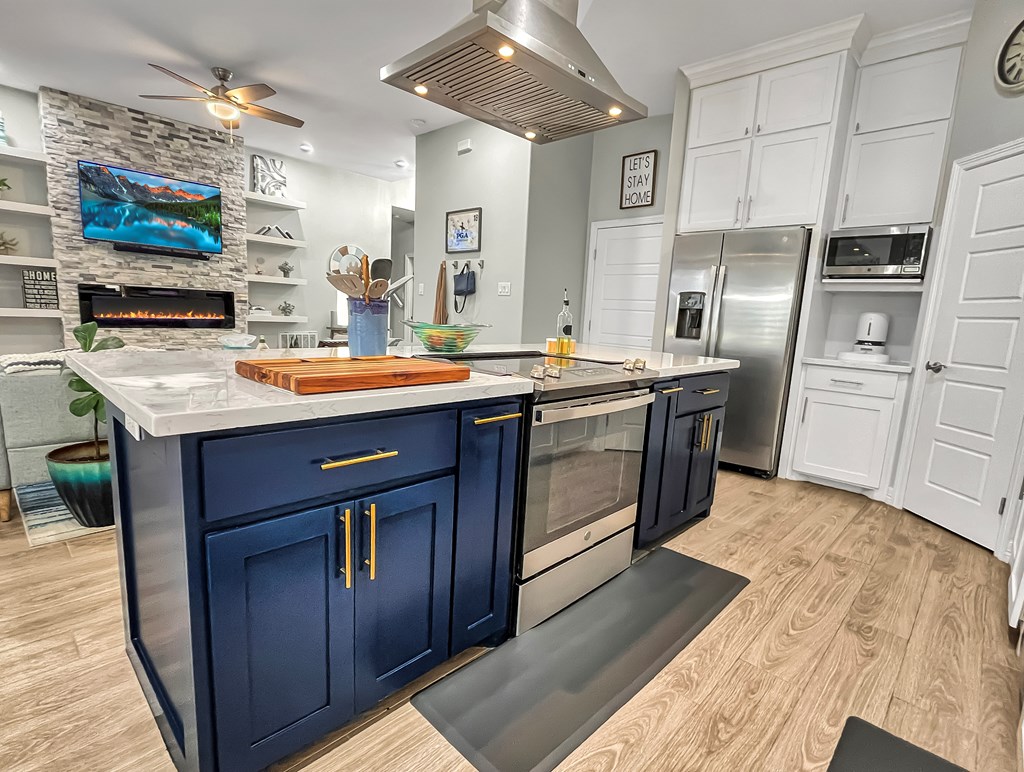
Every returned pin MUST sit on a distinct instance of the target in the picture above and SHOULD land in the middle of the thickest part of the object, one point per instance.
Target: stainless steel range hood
(520, 65)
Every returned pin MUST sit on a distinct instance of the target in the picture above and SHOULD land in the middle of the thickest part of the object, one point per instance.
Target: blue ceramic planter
(83, 482)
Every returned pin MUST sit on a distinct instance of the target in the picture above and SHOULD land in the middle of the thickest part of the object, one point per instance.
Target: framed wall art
(462, 231)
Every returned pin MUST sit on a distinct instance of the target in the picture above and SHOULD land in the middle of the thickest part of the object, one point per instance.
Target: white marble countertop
(182, 392)
(887, 367)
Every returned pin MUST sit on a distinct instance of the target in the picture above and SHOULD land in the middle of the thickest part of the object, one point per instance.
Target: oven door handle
(557, 414)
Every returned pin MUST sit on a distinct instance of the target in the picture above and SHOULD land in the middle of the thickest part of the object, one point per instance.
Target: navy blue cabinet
(403, 586)
(488, 453)
(281, 631)
(681, 462)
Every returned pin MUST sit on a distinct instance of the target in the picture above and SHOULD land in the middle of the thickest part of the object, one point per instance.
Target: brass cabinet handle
(704, 433)
(495, 419)
(378, 456)
(347, 570)
(706, 391)
(673, 390)
(372, 562)
(708, 426)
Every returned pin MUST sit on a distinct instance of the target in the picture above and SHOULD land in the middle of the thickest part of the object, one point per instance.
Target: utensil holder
(367, 327)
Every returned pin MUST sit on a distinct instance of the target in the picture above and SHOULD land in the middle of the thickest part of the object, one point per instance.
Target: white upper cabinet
(902, 92)
(797, 95)
(714, 184)
(786, 174)
(892, 176)
(722, 112)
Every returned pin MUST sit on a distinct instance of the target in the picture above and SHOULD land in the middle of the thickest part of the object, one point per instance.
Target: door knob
(935, 367)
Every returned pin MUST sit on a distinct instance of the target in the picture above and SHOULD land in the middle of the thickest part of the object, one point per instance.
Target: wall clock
(1010, 62)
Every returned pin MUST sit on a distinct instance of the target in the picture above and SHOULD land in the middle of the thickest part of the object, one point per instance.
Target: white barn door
(622, 286)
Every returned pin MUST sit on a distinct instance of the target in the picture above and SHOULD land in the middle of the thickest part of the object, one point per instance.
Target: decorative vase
(83, 482)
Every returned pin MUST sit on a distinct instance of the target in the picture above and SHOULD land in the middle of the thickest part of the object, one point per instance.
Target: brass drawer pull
(378, 456)
(706, 391)
(372, 562)
(495, 419)
(672, 390)
(347, 570)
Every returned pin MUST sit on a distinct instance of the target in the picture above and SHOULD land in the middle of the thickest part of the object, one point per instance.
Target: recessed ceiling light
(506, 50)
(420, 89)
(615, 112)
(417, 123)
(223, 111)
(531, 135)
(305, 147)
(401, 163)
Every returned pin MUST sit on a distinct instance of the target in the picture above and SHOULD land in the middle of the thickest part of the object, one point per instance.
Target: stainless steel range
(584, 451)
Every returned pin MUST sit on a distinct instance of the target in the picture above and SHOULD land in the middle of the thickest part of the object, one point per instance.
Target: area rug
(45, 517)
(529, 703)
(863, 747)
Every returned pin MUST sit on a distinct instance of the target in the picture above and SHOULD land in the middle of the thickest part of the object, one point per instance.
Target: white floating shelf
(257, 278)
(274, 241)
(277, 202)
(17, 207)
(28, 262)
(873, 285)
(32, 313)
(278, 319)
(21, 154)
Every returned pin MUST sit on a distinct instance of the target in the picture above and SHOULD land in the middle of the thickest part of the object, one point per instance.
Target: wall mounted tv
(149, 213)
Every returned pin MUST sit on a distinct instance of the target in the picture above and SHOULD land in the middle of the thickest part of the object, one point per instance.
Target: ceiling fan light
(223, 111)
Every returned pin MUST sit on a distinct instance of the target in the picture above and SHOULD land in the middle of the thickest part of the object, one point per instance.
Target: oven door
(583, 475)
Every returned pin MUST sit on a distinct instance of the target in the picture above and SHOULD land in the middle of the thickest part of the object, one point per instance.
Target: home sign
(638, 177)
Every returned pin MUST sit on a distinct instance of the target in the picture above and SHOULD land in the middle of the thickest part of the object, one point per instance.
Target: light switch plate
(504, 288)
(419, 289)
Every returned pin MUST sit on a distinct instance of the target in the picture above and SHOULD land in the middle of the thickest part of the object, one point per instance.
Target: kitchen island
(287, 562)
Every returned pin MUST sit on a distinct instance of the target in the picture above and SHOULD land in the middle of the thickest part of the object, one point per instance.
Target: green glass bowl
(445, 338)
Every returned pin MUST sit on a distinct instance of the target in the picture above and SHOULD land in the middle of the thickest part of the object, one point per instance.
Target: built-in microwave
(893, 252)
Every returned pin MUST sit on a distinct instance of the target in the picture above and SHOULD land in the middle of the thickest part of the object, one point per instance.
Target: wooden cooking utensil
(377, 289)
(366, 276)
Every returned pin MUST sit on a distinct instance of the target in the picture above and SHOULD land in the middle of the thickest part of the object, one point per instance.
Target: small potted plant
(4, 186)
(81, 472)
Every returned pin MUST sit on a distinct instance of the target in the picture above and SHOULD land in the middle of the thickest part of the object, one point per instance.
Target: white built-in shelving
(19, 207)
(21, 155)
(31, 313)
(275, 319)
(28, 262)
(275, 241)
(275, 202)
(257, 278)
(881, 285)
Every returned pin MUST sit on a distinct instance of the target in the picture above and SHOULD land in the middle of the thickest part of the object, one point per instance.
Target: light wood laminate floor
(853, 608)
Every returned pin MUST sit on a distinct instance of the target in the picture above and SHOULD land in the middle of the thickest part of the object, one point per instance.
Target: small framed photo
(462, 231)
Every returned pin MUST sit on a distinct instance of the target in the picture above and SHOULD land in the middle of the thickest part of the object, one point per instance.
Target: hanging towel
(441, 295)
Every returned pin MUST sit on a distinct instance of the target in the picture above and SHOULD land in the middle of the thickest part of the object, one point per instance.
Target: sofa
(34, 419)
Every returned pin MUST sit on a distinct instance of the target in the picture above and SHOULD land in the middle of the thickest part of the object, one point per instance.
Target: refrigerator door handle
(716, 311)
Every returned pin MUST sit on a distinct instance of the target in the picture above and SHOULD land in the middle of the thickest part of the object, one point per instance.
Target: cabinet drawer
(866, 382)
(701, 392)
(254, 472)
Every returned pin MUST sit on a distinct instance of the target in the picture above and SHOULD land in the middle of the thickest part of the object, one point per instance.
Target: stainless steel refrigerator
(736, 294)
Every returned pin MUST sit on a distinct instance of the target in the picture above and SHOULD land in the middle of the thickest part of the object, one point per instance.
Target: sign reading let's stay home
(638, 175)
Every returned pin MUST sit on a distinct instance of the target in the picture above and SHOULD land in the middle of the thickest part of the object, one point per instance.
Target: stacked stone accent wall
(78, 128)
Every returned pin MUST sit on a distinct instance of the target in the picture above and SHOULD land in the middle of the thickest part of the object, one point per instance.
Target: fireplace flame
(159, 315)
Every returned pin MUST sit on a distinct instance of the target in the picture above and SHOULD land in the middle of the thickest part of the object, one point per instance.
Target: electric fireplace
(121, 305)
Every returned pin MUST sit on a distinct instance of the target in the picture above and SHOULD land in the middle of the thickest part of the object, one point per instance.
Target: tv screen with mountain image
(132, 207)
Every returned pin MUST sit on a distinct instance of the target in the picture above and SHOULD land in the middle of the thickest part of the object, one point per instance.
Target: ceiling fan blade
(175, 98)
(182, 78)
(231, 124)
(274, 115)
(251, 93)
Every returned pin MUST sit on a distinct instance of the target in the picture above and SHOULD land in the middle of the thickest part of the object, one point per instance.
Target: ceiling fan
(228, 105)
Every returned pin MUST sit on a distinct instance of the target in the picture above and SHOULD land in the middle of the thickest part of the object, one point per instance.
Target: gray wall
(985, 116)
(556, 237)
(76, 127)
(495, 177)
(610, 146)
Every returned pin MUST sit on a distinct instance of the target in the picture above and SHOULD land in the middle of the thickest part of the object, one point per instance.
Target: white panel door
(843, 437)
(714, 185)
(901, 92)
(623, 286)
(892, 176)
(722, 112)
(786, 174)
(972, 410)
(797, 95)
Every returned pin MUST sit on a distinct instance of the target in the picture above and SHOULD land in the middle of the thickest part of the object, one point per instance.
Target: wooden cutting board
(325, 375)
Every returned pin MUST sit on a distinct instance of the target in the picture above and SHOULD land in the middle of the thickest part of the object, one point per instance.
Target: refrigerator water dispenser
(690, 319)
